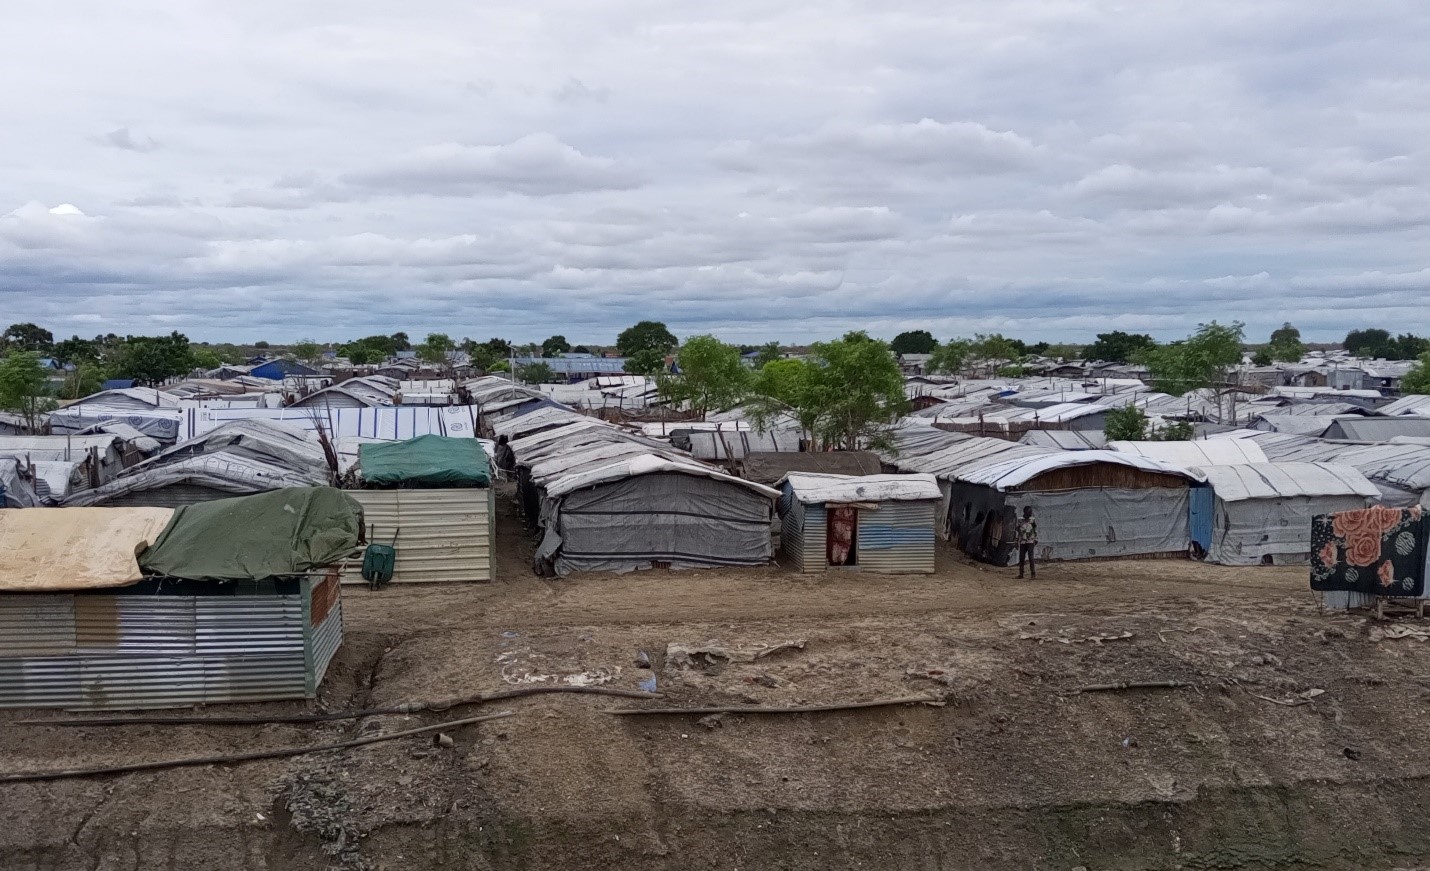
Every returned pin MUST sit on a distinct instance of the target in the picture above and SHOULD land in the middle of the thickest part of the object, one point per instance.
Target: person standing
(1027, 539)
(505, 457)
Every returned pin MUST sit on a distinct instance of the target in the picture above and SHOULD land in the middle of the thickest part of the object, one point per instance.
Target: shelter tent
(235, 601)
(874, 523)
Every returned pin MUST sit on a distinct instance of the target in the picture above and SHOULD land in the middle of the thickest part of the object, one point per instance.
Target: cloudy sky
(1045, 168)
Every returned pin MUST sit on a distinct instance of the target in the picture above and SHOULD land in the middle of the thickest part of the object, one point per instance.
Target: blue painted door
(1201, 507)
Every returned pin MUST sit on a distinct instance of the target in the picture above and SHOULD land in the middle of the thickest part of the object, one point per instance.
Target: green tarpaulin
(285, 532)
(426, 461)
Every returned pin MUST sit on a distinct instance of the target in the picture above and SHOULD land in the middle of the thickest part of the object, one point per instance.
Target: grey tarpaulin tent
(649, 509)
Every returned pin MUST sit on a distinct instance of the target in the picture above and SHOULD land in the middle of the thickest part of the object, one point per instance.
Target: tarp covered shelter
(282, 533)
(53, 549)
(1260, 513)
(426, 461)
(770, 467)
(875, 523)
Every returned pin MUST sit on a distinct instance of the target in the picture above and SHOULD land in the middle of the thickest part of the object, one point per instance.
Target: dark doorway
(841, 544)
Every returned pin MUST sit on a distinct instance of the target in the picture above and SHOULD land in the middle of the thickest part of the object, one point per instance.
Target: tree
(1126, 424)
(1262, 358)
(1119, 347)
(24, 387)
(27, 337)
(555, 346)
(206, 359)
(1064, 352)
(914, 342)
(1176, 431)
(784, 387)
(768, 353)
(1286, 345)
(581, 349)
(435, 350)
(1200, 360)
(151, 359)
(76, 350)
(711, 375)
(858, 390)
(361, 355)
(260, 346)
(645, 336)
(1407, 346)
(993, 351)
(1417, 380)
(306, 351)
(537, 373)
(85, 379)
(645, 362)
(1368, 342)
(948, 358)
(400, 342)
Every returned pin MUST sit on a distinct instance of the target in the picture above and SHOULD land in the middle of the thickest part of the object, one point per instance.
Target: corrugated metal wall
(130, 651)
(446, 535)
(897, 538)
(324, 641)
(799, 526)
(172, 496)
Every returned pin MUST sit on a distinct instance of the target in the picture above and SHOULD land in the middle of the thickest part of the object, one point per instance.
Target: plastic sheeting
(812, 489)
(1089, 524)
(427, 461)
(684, 521)
(1276, 530)
(53, 549)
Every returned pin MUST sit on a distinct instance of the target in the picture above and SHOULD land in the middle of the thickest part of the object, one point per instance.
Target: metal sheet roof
(1375, 429)
(1203, 452)
(646, 464)
(1284, 480)
(813, 488)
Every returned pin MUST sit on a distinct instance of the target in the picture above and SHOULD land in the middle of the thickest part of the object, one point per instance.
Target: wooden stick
(1135, 685)
(66, 774)
(784, 709)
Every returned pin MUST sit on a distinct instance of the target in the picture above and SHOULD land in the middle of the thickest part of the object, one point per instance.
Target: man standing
(1027, 538)
(505, 457)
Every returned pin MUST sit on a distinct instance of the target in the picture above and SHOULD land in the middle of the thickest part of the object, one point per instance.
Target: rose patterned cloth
(1379, 551)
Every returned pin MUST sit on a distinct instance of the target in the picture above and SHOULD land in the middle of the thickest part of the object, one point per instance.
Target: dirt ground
(1296, 741)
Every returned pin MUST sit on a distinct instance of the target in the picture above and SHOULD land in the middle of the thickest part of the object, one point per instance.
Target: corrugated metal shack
(873, 523)
(434, 496)
(82, 626)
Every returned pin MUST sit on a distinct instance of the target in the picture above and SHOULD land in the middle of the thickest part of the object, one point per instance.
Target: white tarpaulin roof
(52, 549)
(1282, 480)
(812, 488)
(1217, 452)
(646, 464)
(1019, 470)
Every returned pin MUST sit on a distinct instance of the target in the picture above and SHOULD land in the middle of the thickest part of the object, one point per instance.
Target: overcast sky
(1044, 168)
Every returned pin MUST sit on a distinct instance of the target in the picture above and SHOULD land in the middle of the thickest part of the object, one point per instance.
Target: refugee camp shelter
(234, 601)
(769, 467)
(1089, 504)
(873, 523)
(652, 510)
(1260, 513)
(153, 412)
(433, 495)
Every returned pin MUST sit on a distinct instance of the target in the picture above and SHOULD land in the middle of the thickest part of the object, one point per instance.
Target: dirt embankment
(1298, 745)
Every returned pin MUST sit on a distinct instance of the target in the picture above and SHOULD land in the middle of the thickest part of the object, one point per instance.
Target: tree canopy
(1417, 380)
(948, 358)
(1286, 345)
(711, 376)
(645, 336)
(24, 386)
(1126, 424)
(769, 352)
(536, 373)
(306, 351)
(1119, 347)
(152, 359)
(1378, 343)
(27, 337)
(555, 346)
(994, 351)
(435, 348)
(1200, 360)
(858, 390)
(646, 362)
(914, 342)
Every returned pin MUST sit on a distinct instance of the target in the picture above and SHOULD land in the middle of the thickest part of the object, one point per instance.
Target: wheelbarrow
(379, 560)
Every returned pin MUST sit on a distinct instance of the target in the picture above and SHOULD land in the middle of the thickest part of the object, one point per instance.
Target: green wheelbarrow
(379, 560)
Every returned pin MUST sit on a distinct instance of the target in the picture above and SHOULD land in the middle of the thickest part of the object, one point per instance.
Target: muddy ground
(1298, 742)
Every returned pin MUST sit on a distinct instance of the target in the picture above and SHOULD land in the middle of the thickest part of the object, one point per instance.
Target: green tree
(205, 359)
(555, 346)
(1262, 358)
(711, 375)
(645, 336)
(1064, 351)
(260, 346)
(1201, 360)
(400, 342)
(1119, 347)
(1286, 345)
(85, 379)
(1126, 424)
(1368, 342)
(435, 348)
(1175, 431)
(857, 387)
(27, 337)
(1417, 380)
(646, 362)
(1407, 346)
(914, 342)
(993, 351)
(361, 355)
(537, 373)
(581, 349)
(306, 351)
(948, 358)
(152, 359)
(24, 387)
(499, 366)
(784, 387)
(76, 350)
(769, 352)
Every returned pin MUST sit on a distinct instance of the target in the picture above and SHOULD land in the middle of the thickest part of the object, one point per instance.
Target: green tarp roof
(284, 532)
(428, 461)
